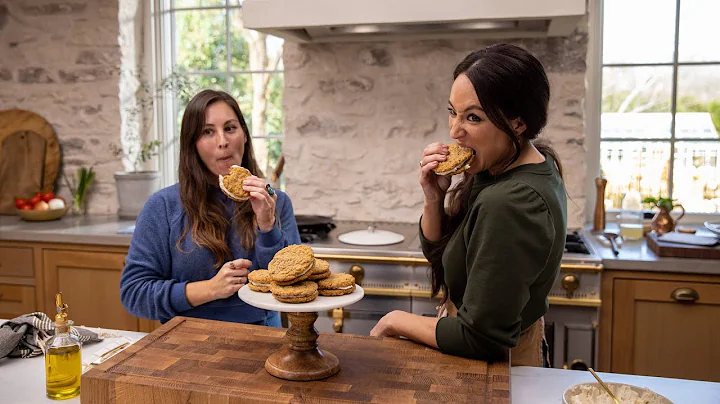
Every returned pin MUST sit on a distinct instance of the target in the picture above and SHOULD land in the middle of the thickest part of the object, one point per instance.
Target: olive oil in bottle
(63, 360)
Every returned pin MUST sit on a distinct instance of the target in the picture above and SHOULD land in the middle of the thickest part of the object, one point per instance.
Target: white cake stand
(301, 359)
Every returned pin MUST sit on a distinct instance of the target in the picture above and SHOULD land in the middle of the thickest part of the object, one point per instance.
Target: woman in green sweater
(495, 251)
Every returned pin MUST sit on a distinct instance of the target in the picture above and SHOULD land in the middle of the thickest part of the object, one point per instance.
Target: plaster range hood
(374, 20)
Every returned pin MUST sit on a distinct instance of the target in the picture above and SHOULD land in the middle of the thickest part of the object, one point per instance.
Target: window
(660, 121)
(205, 43)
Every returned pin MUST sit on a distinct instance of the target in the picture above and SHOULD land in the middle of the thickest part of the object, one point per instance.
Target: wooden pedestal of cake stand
(301, 359)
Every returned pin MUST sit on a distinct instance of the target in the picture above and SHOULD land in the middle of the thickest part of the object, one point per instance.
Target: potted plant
(663, 222)
(137, 182)
(78, 186)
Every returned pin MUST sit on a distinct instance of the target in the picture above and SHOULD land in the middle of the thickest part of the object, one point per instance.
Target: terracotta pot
(664, 223)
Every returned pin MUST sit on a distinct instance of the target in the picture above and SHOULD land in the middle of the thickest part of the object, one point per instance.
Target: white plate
(575, 390)
(713, 227)
(371, 237)
(321, 303)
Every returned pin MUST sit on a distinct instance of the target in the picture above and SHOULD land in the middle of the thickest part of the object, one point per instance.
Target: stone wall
(357, 117)
(60, 60)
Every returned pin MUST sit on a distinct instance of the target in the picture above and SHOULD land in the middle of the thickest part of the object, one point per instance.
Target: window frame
(593, 110)
(160, 17)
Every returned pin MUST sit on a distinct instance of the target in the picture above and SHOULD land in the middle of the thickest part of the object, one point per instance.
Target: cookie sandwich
(321, 270)
(292, 264)
(302, 292)
(459, 158)
(336, 285)
(232, 184)
(259, 280)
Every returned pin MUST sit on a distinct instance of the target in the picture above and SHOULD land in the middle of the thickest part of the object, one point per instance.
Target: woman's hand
(229, 279)
(384, 327)
(434, 186)
(263, 204)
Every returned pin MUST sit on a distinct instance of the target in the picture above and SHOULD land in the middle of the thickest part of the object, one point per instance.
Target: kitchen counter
(103, 230)
(22, 381)
(635, 255)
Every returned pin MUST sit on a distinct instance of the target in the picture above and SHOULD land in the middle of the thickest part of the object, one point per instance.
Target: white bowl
(713, 227)
(573, 391)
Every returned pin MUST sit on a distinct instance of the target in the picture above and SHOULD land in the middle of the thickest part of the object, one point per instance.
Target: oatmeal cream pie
(458, 159)
(336, 285)
(302, 292)
(232, 184)
(259, 280)
(321, 270)
(292, 264)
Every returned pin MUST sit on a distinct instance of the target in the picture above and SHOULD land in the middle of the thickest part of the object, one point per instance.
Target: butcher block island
(206, 361)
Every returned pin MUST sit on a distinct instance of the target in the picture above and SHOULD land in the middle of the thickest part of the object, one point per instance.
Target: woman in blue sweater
(193, 247)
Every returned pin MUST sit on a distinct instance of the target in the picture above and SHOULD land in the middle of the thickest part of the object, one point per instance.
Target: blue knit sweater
(153, 281)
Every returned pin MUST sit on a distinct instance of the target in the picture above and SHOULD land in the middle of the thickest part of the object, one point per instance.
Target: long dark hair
(205, 214)
(510, 83)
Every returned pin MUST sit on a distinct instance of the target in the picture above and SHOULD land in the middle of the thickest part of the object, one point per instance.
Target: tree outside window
(207, 43)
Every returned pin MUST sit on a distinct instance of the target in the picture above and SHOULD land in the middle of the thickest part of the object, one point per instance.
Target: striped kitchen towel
(25, 336)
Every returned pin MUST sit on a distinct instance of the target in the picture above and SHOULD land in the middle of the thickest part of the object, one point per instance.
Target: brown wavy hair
(205, 214)
(510, 83)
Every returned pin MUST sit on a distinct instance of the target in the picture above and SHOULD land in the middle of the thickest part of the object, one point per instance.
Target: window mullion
(228, 50)
(673, 100)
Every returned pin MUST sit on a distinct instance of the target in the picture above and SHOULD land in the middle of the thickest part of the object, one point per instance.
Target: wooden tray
(665, 249)
(205, 361)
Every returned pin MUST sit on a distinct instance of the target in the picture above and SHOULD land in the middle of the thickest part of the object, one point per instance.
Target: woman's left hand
(263, 204)
(384, 327)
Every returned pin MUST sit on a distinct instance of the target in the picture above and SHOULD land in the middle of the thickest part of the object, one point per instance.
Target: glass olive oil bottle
(63, 361)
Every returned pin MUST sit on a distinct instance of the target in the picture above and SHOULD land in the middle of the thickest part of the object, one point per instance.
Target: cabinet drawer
(16, 300)
(681, 292)
(16, 261)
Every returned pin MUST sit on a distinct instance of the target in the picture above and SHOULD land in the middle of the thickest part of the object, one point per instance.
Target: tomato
(38, 193)
(26, 207)
(20, 202)
(47, 196)
(35, 199)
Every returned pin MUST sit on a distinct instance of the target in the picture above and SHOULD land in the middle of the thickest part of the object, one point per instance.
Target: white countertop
(22, 381)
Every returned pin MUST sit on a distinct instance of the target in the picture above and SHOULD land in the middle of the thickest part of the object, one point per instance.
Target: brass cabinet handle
(338, 319)
(358, 272)
(689, 295)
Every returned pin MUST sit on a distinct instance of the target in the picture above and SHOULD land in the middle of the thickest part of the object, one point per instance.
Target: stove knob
(570, 283)
(358, 273)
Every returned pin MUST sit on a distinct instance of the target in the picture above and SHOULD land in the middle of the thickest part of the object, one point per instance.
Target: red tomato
(35, 199)
(39, 193)
(47, 196)
(20, 202)
(26, 207)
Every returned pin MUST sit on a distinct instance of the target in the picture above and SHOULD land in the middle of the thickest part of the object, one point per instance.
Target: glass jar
(630, 219)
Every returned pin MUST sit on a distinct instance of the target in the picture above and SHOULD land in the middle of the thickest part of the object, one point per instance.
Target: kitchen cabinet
(659, 324)
(87, 275)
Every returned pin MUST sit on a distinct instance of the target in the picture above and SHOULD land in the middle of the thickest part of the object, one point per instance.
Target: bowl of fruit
(41, 207)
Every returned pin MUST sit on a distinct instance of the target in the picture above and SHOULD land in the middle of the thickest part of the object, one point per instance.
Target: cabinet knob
(338, 318)
(688, 295)
(570, 283)
(358, 273)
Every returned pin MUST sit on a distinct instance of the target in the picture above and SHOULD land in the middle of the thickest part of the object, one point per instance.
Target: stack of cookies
(294, 275)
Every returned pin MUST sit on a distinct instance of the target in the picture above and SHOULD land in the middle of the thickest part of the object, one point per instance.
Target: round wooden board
(17, 122)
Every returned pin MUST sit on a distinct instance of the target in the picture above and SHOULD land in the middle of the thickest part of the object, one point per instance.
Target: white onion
(56, 203)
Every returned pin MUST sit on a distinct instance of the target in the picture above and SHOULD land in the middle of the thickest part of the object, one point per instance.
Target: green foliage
(79, 184)
(140, 115)
(687, 103)
(660, 202)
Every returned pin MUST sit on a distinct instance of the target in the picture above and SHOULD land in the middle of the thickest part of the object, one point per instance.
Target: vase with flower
(663, 222)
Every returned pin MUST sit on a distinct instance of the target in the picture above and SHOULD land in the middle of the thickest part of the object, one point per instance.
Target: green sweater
(502, 260)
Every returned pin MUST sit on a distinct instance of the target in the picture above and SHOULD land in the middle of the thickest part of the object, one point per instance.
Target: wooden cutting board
(203, 361)
(665, 249)
(29, 157)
